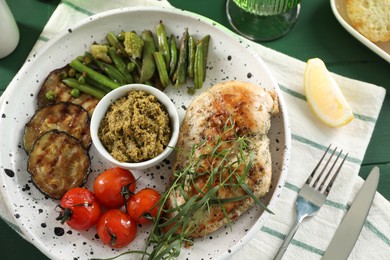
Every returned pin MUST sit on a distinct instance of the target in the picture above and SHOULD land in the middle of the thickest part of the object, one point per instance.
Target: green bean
(120, 64)
(73, 83)
(97, 85)
(114, 42)
(162, 68)
(104, 80)
(118, 61)
(163, 45)
(191, 56)
(199, 66)
(148, 66)
(205, 40)
(181, 70)
(112, 72)
(173, 61)
(108, 69)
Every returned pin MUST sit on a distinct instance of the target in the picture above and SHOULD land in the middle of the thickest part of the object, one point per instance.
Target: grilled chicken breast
(249, 108)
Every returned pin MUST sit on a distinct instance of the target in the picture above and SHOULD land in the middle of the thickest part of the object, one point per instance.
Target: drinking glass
(262, 20)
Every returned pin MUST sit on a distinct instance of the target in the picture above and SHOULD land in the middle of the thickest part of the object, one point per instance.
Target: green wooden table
(316, 34)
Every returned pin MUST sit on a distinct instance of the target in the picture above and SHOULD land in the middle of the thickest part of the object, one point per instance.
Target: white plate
(340, 11)
(34, 214)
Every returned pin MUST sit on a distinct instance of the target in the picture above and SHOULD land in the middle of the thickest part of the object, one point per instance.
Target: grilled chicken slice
(61, 92)
(249, 108)
(63, 116)
(57, 163)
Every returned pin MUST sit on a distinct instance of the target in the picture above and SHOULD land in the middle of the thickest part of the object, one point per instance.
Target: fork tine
(318, 165)
(330, 170)
(324, 168)
(330, 184)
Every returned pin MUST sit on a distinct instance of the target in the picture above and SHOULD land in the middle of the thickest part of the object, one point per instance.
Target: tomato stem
(147, 215)
(126, 193)
(65, 215)
(113, 237)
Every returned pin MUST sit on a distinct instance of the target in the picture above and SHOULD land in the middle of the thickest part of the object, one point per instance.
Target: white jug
(9, 32)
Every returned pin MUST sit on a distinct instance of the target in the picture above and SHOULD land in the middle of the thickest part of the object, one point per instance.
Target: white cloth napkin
(309, 140)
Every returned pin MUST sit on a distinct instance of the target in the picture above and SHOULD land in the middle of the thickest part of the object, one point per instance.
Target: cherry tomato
(116, 229)
(142, 207)
(114, 186)
(80, 209)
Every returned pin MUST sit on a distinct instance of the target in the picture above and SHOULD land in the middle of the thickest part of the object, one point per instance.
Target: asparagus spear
(119, 64)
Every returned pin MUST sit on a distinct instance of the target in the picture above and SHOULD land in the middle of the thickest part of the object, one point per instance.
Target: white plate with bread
(368, 21)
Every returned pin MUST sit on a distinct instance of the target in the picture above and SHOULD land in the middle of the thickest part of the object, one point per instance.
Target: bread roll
(371, 18)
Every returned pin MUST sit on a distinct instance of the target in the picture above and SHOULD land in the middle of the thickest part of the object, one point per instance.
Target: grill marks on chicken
(246, 110)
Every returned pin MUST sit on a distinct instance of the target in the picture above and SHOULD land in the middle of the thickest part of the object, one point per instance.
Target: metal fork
(312, 196)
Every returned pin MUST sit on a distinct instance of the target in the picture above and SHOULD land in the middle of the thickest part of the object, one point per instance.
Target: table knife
(350, 227)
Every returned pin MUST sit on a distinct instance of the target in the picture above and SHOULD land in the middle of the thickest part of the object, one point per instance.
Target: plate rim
(348, 27)
(287, 134)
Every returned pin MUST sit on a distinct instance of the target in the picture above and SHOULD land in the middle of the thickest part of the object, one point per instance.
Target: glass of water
(262, 20)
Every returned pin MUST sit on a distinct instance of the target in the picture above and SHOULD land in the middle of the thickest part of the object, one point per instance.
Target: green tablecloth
(317, 34)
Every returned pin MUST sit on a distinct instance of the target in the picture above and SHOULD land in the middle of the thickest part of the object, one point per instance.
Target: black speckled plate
(229, 59)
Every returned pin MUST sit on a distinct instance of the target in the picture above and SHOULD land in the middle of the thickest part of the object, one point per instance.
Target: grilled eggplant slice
(63, 116)
(59, 92)
(57, 163)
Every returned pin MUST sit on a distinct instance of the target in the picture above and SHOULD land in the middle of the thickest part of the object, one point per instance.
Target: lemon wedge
(324, 95)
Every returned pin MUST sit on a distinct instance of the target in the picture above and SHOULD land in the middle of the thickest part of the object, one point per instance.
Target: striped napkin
(309, 140)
